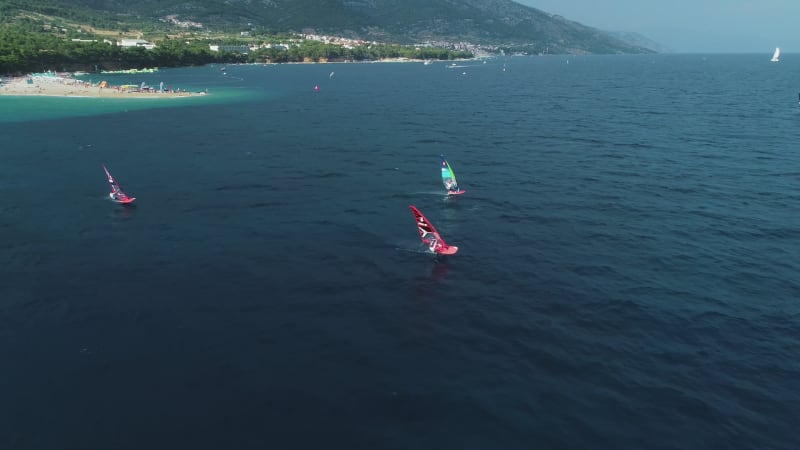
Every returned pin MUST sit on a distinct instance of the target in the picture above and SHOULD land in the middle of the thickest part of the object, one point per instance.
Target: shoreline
(58, 86)
(65, 85)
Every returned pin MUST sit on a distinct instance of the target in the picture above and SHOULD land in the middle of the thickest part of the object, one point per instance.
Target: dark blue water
(628, 272)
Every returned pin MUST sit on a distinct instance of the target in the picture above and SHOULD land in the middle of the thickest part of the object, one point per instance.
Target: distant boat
(117, 194)
(777, 55)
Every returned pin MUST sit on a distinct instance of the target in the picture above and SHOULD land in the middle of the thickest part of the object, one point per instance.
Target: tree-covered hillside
(28, 49)
(24, 51)
(499, 22)
(38, 35)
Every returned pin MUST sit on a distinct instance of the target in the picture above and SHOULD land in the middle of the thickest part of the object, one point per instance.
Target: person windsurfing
(117, 194)
(449, 178)
(429, 236)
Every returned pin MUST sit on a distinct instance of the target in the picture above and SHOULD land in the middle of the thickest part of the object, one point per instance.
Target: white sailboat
(777, 55)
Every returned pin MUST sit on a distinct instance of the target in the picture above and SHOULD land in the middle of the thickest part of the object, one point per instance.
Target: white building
(244, 49)
(136, 43)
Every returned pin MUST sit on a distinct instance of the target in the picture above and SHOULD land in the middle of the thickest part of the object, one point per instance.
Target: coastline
(58, 86)
(51, 84)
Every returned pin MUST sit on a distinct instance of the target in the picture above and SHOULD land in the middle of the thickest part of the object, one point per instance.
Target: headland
(64, 85)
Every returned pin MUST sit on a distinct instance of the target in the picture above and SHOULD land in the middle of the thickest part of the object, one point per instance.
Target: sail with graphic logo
(117, 194)
(430, 237)
(449, 178)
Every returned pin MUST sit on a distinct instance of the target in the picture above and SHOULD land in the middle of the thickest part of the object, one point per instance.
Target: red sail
(429, 236)
(116, 194)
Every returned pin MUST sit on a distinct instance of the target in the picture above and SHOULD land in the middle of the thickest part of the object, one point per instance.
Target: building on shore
(136, 43)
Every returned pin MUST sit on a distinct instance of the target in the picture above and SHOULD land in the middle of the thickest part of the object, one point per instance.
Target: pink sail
(429, 236)
(117, 194)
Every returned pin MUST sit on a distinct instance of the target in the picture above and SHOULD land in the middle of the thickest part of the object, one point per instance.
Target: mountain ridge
(490, 22)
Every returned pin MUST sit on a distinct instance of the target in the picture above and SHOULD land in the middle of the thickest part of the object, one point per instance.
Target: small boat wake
(418, 250)
(431, 193)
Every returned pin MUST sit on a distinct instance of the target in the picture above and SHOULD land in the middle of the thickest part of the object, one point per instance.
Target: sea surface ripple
(627, 274)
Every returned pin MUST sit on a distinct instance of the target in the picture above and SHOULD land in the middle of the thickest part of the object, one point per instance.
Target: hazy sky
(707, 26)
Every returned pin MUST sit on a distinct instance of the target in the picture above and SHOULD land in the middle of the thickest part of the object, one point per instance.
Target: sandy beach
(69, 87)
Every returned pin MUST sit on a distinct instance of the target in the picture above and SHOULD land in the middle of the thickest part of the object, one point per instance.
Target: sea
(627, 273)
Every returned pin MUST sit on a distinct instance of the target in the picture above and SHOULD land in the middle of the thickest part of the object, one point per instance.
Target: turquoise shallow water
(627, 274)
(225, 90)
